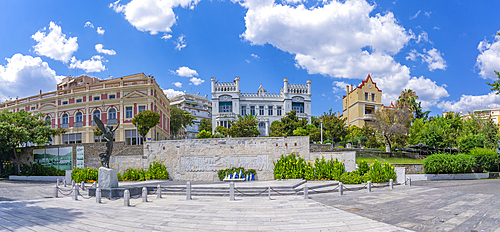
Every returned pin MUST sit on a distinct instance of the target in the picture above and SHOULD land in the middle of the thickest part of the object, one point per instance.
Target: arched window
(65, 121)
(78, 119)
(48, 120)
(112, 117)
(97, 114)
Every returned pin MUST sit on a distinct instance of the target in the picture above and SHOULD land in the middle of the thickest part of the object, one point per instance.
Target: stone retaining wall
(366, 152)
(411, 168)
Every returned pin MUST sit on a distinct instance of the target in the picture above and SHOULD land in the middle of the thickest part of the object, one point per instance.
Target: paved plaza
(430, 206)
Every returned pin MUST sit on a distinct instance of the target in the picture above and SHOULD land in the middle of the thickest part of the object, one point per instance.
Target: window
(366, 96)
(97, 98)
(243, 110)
(48, 121)
(142, 108)
(132, 137)
(65, 102)
(225, 106)
(112, 96)
(78, 119)
(97, 114)
(128, 112)
(298, 107)
(65, 124)
(99, 138)
(252, 110)
(261, 110)
(72, 138)
(33, 108)
(373, 97)
(368, 111)
(270, 110)
(278, 111)
(78, 100)
(112, 117)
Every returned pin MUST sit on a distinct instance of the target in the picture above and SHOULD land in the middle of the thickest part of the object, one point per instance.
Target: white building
(228, 102)
(198, 106)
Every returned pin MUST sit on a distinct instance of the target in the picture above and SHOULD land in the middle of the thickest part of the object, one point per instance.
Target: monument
(107, 177)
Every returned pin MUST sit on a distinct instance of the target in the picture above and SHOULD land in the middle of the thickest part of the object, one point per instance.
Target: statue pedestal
(107, 178)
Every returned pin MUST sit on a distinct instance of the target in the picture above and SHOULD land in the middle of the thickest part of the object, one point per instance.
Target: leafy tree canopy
(206, 124)
(144, 121)
(287, 125)
(244, 127)
(179, 118)
(335, 126)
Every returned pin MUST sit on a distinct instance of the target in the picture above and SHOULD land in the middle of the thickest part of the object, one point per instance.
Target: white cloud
(196, 81)
(255, 56)
(177, 84)
(469, 103)
(54, 44)
(434, 60)
(99, 48)
(95, 64)
(416, 15)
(423, 37)
(89, 24)
(180, 44)
(489, 59)
(24, 75)
(185, 72)
(100, 31)
(152, 16)
(413, 55)
(172, 93)
(436, 28)
(428, 91)
(428, 14)
(166, 37)
(339, 86)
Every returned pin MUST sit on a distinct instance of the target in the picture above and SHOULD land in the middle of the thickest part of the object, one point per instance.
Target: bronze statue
(108, 136)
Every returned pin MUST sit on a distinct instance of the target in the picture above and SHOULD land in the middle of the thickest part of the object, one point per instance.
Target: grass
(390, 160)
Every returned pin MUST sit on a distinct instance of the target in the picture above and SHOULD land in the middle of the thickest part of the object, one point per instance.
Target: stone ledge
(37, 178)
(462, 176)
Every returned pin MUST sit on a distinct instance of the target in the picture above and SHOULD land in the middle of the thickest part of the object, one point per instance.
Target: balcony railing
(65, 125)
(111, 121)
(78, 124)
(302, 115)
(368, 116)
(226, 114)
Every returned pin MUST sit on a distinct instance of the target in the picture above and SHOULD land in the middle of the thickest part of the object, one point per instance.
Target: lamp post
(321, 120)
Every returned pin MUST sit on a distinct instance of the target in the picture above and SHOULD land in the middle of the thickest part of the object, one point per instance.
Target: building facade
(228, 102)
(360, 103)
(77, 99)
(198, 106)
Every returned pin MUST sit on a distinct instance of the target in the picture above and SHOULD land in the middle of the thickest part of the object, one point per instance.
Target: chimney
(351, 87)
(347, 89)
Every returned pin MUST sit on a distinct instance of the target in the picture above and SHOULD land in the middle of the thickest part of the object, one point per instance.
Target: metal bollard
(188, 190)
(56, 191)
(75, 193)
(409, 182)
(98, 195)
(64, 182)
(391, 184)
(158, 191)
(144, 194)
(231, 191)
(126, 198)
(58, 182)
(341, 189)
(83, 185)
(369, 186)
(72, 184)
(269, 192)
(306, 192)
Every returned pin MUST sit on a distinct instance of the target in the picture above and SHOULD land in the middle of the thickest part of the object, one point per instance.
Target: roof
(363, 83)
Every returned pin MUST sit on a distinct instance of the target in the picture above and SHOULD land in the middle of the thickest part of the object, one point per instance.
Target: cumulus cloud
(95, 64)
(434, 60)
(172, 93)
(428, 91)
(423, 37)
(196, 81)
(489, 58)
(100, 31)
(339, 86)
(21, 72)
(185, 72)
(412, 55)
(89, 24)
(152, 16)
(54, 44)
(180, 44)
(177, 84)
(99, 48)
(166, 37)
(469, 103)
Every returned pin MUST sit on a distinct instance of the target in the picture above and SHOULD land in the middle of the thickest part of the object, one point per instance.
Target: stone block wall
(367, 152)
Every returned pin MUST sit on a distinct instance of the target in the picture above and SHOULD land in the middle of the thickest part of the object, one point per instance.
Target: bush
(8, 169)
(380, 173)
(484, 159)
(89, 175)
(363, 167)
(156, 171)
(225, 172)
(40, 170)
(291, 167)
(351, 178)
(446, 164)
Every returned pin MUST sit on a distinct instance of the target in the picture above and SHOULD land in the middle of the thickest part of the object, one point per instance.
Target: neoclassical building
(77, 99)
(228, 102)
(360, 103)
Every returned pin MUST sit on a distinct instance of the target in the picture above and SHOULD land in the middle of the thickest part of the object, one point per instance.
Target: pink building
(77, 99)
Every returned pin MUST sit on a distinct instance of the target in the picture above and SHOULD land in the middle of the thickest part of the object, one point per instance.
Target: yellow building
(360, 103)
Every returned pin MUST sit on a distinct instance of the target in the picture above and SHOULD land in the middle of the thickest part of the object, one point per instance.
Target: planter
(37, 178)
(462, 176)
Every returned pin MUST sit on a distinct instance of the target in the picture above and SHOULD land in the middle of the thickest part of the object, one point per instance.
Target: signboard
(79, 157)
(61, 158)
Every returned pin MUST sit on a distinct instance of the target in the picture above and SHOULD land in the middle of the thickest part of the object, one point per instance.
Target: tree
(220, 131)
(20, 128)
(408, 100)
(335, 126)
(370, 134)
(203, 134)
(206, 124)
(179, 118)
(244, 127)
(287, 125)
(392, 122)
(496, 84)
(144, 121)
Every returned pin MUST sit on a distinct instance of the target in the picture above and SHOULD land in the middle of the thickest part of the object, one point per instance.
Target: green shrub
(225, 172)
(351, 178)
(8, 169)
(289, 167)
(380, 173)
(88, 175)
(446, 164)
(484, 159)
(156, 171)
(363, 167)
(40, 170)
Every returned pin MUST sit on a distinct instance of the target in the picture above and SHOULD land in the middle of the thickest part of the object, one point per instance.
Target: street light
(321, 120)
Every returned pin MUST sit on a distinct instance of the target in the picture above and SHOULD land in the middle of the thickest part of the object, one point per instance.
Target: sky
(445, 51)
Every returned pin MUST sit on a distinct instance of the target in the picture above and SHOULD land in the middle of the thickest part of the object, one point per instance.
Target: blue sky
(446, 51)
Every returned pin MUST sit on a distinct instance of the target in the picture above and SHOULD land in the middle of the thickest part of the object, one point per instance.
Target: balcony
(112, 121)
(78, 124)
(226, 114)
(368, 116)
(65, 125)
(302, 115)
